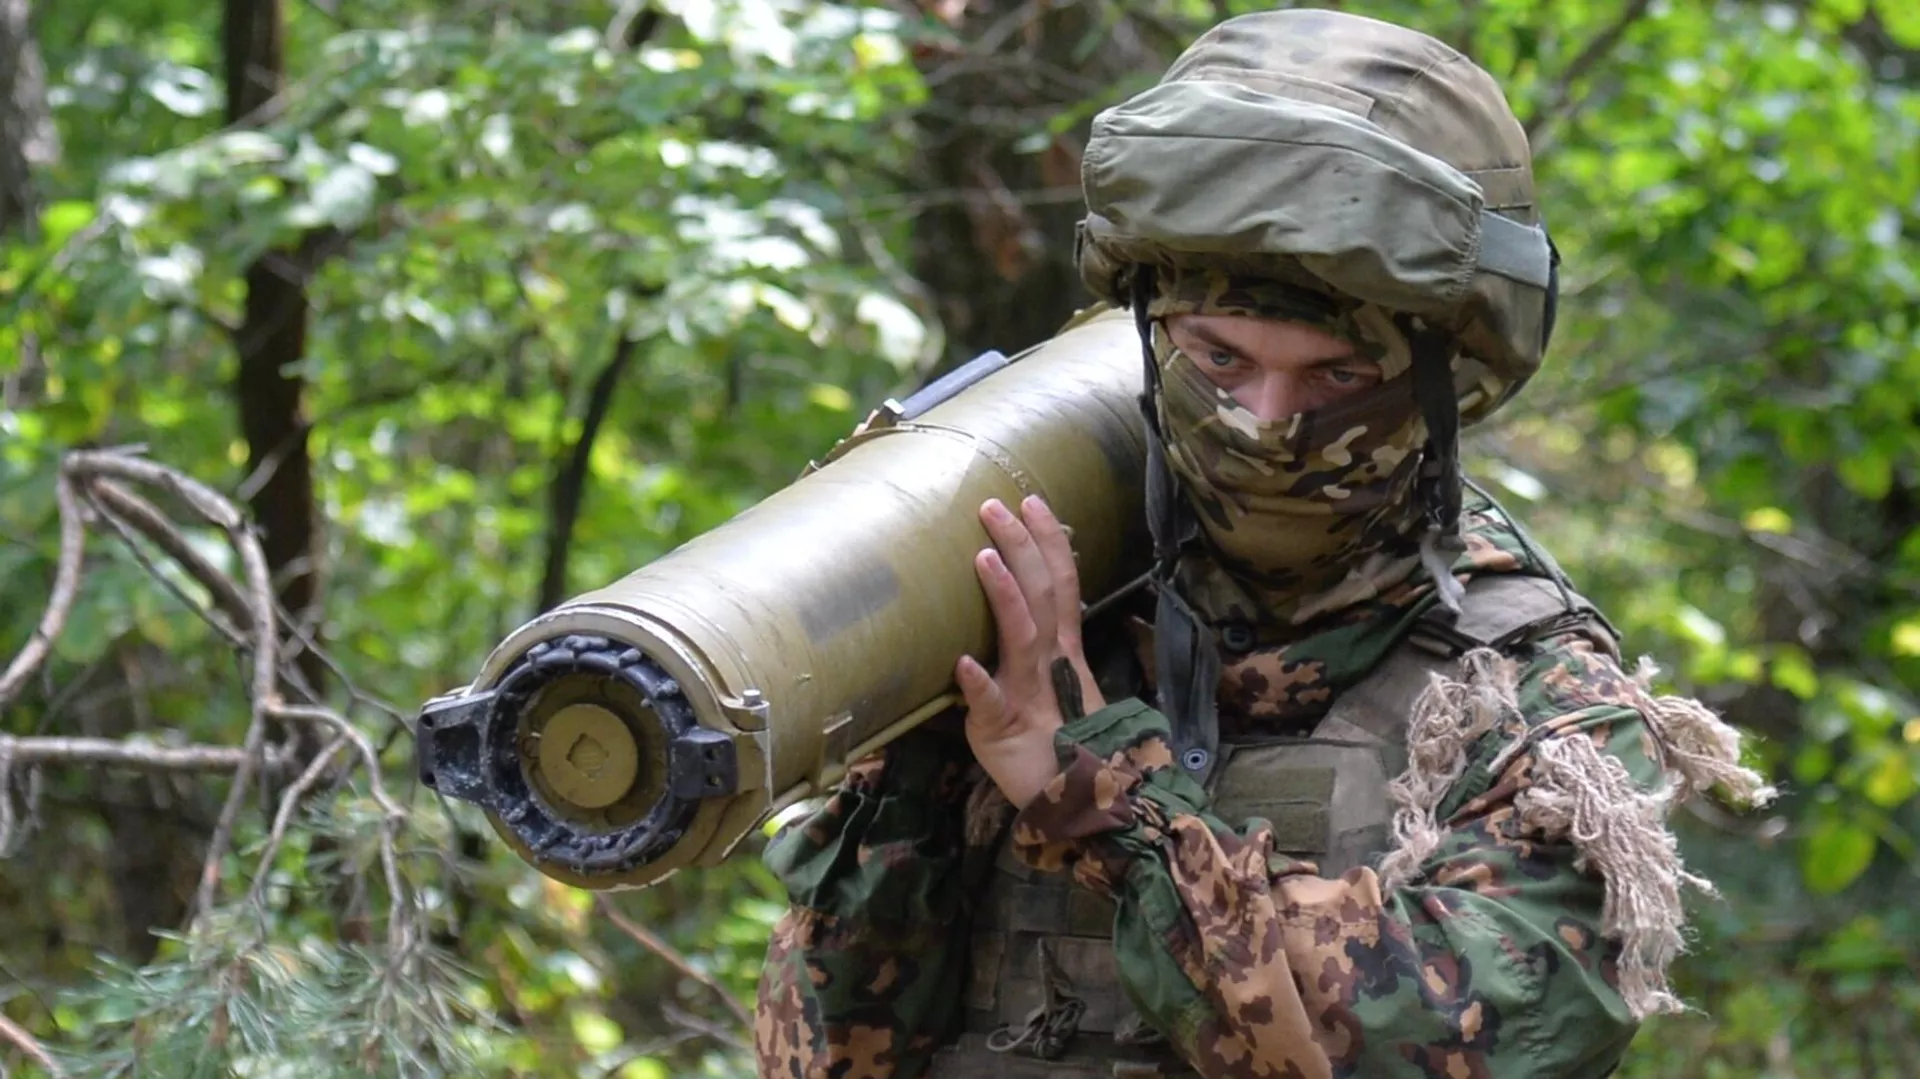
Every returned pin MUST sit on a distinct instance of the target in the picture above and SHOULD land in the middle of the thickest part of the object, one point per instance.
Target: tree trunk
(27, 141)
(27, 136)
(271, 340)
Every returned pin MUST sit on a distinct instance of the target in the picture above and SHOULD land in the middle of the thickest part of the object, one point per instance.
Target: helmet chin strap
(1441, 480)
(1186, 660)
(1438, 486)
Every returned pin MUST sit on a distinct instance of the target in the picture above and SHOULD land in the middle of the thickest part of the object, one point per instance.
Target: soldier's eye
(1345, 377)
(1220, 359)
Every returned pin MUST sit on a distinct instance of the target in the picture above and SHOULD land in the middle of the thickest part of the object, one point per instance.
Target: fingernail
(998, 510)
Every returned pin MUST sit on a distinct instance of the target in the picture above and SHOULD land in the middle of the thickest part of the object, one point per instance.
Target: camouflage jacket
(1485, 956)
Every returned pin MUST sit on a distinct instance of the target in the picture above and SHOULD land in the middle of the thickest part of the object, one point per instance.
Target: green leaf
(1793, 672)
(1904, 640)
(1698, 627)
(1834, 853)
(1901, 20)
(594, 1031)
(1845, 11)
(645, 1068)
(61, 220)
(1891, 781)
(1813, 763)
(1862, 944)
(1867, 471)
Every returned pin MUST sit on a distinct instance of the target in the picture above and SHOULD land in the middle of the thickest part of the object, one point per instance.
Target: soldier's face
(1273, 369)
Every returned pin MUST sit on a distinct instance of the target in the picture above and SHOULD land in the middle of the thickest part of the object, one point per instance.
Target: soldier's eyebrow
(1209, 336)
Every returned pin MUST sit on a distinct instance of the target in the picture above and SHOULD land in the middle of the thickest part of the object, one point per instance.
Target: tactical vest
(1044, 999)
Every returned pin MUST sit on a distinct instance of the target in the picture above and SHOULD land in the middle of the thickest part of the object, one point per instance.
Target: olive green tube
(652, 723)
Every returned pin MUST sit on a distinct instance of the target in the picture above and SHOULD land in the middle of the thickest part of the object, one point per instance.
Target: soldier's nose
(1274, 397)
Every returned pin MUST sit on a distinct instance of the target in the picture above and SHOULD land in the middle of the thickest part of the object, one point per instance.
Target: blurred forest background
(468, 305)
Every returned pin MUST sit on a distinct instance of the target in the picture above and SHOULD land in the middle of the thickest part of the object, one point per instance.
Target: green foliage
(1723, 451)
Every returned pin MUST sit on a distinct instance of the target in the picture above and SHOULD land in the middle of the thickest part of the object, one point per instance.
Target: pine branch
(289, 802)
(399, 927)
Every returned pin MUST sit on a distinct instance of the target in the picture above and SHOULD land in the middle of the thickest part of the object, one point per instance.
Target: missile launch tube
(650, 724)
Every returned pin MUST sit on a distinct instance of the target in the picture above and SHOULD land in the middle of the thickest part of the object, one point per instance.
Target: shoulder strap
(1504, 610)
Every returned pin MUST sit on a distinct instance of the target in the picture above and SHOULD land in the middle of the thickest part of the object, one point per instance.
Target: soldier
(1400, 811)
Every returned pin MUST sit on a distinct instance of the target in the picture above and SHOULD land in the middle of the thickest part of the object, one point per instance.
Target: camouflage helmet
(1339, 152)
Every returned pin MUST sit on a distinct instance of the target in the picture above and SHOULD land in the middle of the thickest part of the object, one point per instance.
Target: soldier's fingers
(1018, 634)
(986, 705)
(1057, 550)
(1023, 559)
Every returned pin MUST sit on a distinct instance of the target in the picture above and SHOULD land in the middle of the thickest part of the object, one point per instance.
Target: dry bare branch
(327, 716)
(137, 755)
(127, 513)
(129, 538)
(289, 803)
(97, 485)
(354, 693)
(648, 940)
(147, 519)
(30, 1045)
(10, 837)
(203, 500)
(399, 928)
(66, 585)
(217, 510)
(686, 1020)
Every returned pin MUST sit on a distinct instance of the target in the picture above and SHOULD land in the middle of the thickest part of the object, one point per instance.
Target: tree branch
(1559, 100)
(289, 802)
(399, 930)
(66, 585)
(264, 691)
(648, 940)
(686, 1020)
(145, 517)
(117, 753)
(28, 1044)
(328, 717)
(92, 481)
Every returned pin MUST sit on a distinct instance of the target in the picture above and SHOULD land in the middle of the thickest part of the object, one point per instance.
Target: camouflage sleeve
(863, 973)
(1484, 955)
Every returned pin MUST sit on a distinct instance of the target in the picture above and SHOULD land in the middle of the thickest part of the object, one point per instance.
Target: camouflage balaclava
(1305, 514)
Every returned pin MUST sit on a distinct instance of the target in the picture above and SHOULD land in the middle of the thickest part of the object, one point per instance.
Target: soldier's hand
(1033, 588)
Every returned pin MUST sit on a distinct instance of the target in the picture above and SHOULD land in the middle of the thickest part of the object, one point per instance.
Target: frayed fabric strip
(1448, 717)
(1621, 833)
(1702, 749)
(1574, 789)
